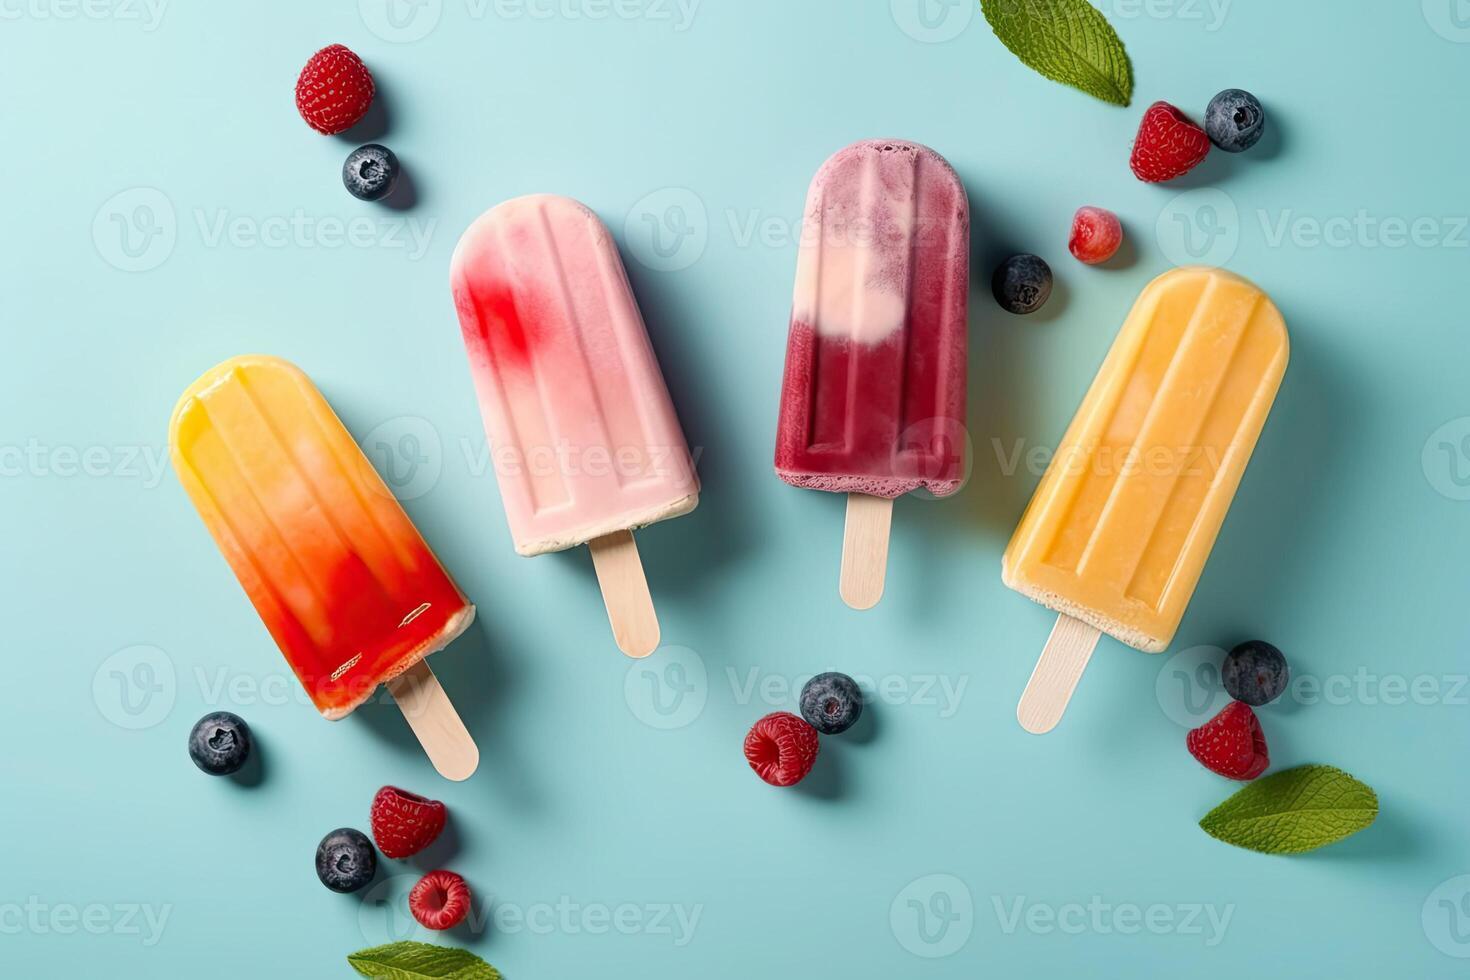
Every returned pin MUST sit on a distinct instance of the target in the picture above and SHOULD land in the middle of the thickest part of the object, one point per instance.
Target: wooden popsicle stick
(625, 593)
(1056, 675)
(433, 719)
(865, 549)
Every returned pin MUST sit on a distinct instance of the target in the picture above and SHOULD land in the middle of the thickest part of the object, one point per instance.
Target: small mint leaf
(1068, 41)
(420, 961)
(1293, 811)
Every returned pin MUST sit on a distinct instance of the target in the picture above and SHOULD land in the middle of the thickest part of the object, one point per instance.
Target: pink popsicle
(585, 442)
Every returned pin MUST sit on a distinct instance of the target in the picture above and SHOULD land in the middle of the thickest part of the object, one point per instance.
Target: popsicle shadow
(477, 678)
(1001, 409)
(483, 680)
(1003, 380)
(677, 555)
(380, 716)
(1273, 536)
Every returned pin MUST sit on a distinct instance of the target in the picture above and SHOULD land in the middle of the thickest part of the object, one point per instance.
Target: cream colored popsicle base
(625, 593)
(865, 549)
(1062, 662)
(433, 719)
(628, 520)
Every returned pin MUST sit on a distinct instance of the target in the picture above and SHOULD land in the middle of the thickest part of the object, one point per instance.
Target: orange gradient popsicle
(1119, 529)
(343, 581)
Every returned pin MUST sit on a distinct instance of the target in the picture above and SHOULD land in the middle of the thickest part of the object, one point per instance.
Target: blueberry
(1235, 120)
(831, 703)
(219, 743)
(1022, 284)
(345, 860)
(1255, 672)
(370, 172)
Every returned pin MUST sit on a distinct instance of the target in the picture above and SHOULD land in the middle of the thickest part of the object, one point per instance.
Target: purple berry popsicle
(873, 401)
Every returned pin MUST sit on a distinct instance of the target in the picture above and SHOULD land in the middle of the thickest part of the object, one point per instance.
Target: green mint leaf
(417, 961)
(1068, 41)
(1293, 811)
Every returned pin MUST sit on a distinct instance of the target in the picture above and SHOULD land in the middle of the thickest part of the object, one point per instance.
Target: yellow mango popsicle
(1118, 532)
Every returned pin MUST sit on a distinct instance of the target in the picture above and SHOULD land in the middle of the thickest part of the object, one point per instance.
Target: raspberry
(440, 900)
(781, 748)
(334, 90)
(1168, 145)
(1096, 235)
(1231, 743)
(405, 823)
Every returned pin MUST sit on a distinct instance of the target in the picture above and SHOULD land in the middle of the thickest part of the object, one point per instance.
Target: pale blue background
(1345, 546)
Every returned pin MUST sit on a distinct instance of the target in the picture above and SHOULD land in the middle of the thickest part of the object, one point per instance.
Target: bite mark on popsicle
(353, 661)
(416, 613)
